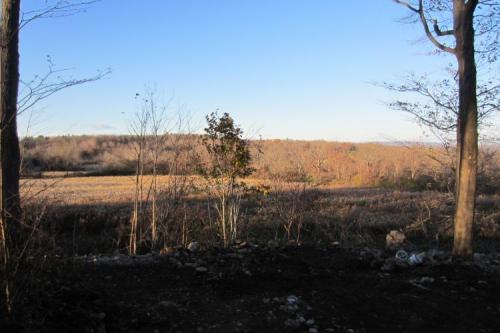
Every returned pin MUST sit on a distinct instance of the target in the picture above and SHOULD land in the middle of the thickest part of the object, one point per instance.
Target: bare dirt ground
(258, 289)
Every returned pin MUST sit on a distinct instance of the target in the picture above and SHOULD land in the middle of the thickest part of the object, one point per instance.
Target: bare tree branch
(42, 87)
(440, 32)
(421, 13)
(407, 5)
(53, 9)
(437, 104)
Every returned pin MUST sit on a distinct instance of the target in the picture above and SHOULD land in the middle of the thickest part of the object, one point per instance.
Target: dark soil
(295, 289)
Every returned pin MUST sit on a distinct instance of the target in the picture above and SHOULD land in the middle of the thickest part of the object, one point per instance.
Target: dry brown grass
(84, 190)
(102, 190)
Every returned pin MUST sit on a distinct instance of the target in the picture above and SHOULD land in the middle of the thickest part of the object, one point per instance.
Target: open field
(92, 214)
(103, 190)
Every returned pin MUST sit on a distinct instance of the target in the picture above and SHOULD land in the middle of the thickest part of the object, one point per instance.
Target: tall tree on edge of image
(10, 157)
(9, 142)
(463, 33)
(13, 102)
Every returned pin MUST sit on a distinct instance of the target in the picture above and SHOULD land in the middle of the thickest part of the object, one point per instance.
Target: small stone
(395, 239)
(426, 280)
(416, 259)
(292, 299)
(310, 322)
(313, 330)
(193, 246)
(201, 269)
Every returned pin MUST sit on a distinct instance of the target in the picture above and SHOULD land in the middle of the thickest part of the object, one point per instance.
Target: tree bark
(10, 210)
(467, 135)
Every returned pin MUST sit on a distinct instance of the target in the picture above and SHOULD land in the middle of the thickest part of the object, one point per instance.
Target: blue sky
(296, 69)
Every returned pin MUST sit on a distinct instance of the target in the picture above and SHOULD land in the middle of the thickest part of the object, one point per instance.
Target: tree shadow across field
(352, 217)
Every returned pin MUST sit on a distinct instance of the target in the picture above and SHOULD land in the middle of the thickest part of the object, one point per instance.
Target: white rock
(193, 246)
(395, 239)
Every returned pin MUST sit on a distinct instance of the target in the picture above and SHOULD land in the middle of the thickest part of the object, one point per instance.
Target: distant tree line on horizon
(412, 167)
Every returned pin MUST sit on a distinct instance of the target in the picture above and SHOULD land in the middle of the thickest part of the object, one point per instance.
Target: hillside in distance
(322, 162)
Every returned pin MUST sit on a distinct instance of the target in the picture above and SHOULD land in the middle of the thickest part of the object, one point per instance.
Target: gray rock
(416, 259)
(193, 246)
(201, 269)
(426, 280)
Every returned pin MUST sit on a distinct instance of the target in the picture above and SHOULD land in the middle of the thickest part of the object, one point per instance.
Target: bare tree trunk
(9, 142)
(467, 120)
(156, 155)
(10, 209)
(135, 212)
(223, 219)
(153, 203)
(467, 136)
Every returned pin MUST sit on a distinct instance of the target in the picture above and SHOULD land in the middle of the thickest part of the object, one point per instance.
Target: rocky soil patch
(267, 288)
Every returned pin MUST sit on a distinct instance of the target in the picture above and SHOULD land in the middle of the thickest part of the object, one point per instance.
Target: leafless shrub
(290, 203)
(156, 206)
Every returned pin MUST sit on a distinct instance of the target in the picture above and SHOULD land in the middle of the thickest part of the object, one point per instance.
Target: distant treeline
(333, 163)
